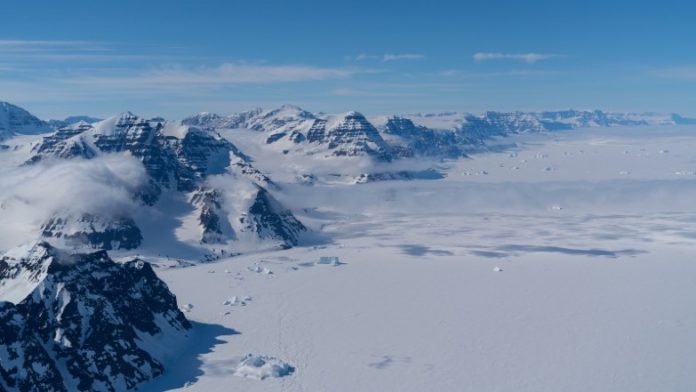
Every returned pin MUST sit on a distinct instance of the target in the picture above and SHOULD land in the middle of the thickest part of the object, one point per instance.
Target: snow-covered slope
(17, 121)
(82, 322)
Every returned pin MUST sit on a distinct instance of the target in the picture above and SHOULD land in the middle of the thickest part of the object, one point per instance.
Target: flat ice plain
(559, 262)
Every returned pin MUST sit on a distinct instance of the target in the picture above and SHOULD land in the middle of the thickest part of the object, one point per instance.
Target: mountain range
(72, 318)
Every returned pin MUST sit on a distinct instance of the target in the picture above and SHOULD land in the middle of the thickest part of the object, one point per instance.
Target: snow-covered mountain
(72, 120)
(98, 230)
(177, 158)
(406, 139)
(17, 121)
(519, 122)
(290, 129)
(83, 322)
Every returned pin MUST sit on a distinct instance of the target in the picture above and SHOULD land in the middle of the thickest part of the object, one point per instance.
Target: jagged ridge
(83, 323)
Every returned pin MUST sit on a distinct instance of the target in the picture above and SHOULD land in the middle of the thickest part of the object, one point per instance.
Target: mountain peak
(17, 121)
(353, 113)
(68, 297)
(288, 106)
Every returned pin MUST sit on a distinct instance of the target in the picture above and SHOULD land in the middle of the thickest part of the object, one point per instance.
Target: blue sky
(174, 58)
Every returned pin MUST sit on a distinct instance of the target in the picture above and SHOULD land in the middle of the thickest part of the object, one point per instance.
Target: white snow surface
(596, 295)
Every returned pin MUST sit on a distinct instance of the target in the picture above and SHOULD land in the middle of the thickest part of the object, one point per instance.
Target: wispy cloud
(685, 73)
(465, 74)
(225, 74)
(388, 57)
(198, 83)
(404, 56)
(529, 58)
(16, 43)
(28, 51)
(353, 92)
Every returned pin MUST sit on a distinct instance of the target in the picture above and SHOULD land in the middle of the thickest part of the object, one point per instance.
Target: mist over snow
(31, 194)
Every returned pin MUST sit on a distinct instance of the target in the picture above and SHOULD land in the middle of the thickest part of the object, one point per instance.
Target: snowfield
(549, 262)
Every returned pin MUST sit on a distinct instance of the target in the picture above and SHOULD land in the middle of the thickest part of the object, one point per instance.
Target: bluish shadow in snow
(314, 238)
(383, 363)
(187, 369)
(489, 253)
(159, 227)
(569, 251)
(387, 361)
(422, 250)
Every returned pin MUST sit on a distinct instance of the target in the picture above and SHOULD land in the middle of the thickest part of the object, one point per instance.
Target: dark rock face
(85, 323)
(144, 140)
(347, 135)
(97, 231)
(414, 140)
(500, 124)
(277, 118)
(58, 145)
(204, 154)
(212, 120)
(170, 161)
(27, 365)
(270, 220)
(212, 217)
(204, 120)
(429, 174)
(350, 135)
(141, 138)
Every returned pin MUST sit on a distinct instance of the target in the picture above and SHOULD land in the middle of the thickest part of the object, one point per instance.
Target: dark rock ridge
(267, 218)
(271, 221)
(83, 322)
(409, 140)
(212, 217)
(349, 135)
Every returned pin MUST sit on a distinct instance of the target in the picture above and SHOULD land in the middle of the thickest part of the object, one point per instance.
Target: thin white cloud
(404, 56)
(363, 56)
(29, 195)
(16, 43)
(529, 58)
(465, 74)
(686, 73)
(388, 57)
(34, 53)
(353, 92)
(225, 74)
(200, 82)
